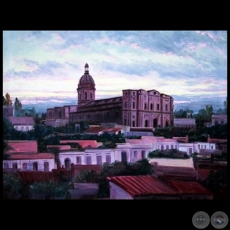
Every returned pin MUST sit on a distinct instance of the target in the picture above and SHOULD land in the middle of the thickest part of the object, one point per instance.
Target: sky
(42, 68)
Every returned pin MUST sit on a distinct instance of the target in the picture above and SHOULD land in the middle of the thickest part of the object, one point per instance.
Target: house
(30, 162)
(22, 146)
(23, 155)
(220, 119)
(185, 122)
(140, 187)
(22, 123)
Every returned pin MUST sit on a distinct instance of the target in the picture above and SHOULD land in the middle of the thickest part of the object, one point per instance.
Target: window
(135, 154)
(108, 159)
(143, 154)
(145, 107)
(123, 157)
(158, 106)
(211, 146)
(79, 96)
(190, 150)
(125, 122)
(125, 104)
(166, 107)
(99, 160)
(46, 166)
(35, 166)
(88, 160)
(67, 164)
(162, 147)
(133, 123)
(167, 147)
(146, 123)
(133, 105)
(171, 146)
(6, 165)
(14, 165)
(24, 166)
(78, 160)
(85, 95)
(198, 146)
(151, 106)
(91, 96)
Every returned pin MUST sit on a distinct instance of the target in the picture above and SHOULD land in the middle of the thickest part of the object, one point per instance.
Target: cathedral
(134, 108)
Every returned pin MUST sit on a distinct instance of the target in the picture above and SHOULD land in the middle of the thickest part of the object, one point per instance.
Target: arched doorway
(167, 123)
(67, 164)
(155, 122)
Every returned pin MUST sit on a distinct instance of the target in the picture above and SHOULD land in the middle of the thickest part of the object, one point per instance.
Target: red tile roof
(37, 176)
(142, 185)
(23, 147)
(83, 143)
(31, 156)
(212, 140)
(188, 187)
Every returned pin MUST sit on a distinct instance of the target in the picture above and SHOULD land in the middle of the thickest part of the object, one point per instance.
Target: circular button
(219, 220)
(201, 220)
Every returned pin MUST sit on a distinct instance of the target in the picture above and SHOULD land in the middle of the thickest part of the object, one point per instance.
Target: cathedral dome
(86, 78)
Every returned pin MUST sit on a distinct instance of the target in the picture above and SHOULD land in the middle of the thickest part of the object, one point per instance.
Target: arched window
(155, 122)
(151, 106)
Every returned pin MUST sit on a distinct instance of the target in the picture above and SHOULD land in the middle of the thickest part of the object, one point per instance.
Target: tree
(55, 151)
(225, 106)
(17, 107)
(4, 101)
(84, 125)
(8, 100)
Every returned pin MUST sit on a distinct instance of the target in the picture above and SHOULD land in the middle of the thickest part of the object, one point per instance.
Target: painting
(111, 115)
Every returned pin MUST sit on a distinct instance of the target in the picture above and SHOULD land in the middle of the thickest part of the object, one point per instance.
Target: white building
(30, 162)
(220, 119)
(22, 123)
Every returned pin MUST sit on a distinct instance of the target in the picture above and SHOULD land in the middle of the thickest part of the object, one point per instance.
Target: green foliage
(217, 180)
(87, 176)
(83, 126)
(168, 153)
(48, 190)
(12, 186)
(221, 157)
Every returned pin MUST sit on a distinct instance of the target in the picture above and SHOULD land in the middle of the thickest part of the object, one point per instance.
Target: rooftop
(142, 185)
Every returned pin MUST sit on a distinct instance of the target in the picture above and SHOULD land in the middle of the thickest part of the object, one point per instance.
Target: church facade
(134, 108)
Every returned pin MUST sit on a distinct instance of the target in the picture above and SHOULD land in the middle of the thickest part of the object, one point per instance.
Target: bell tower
(86, 88)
